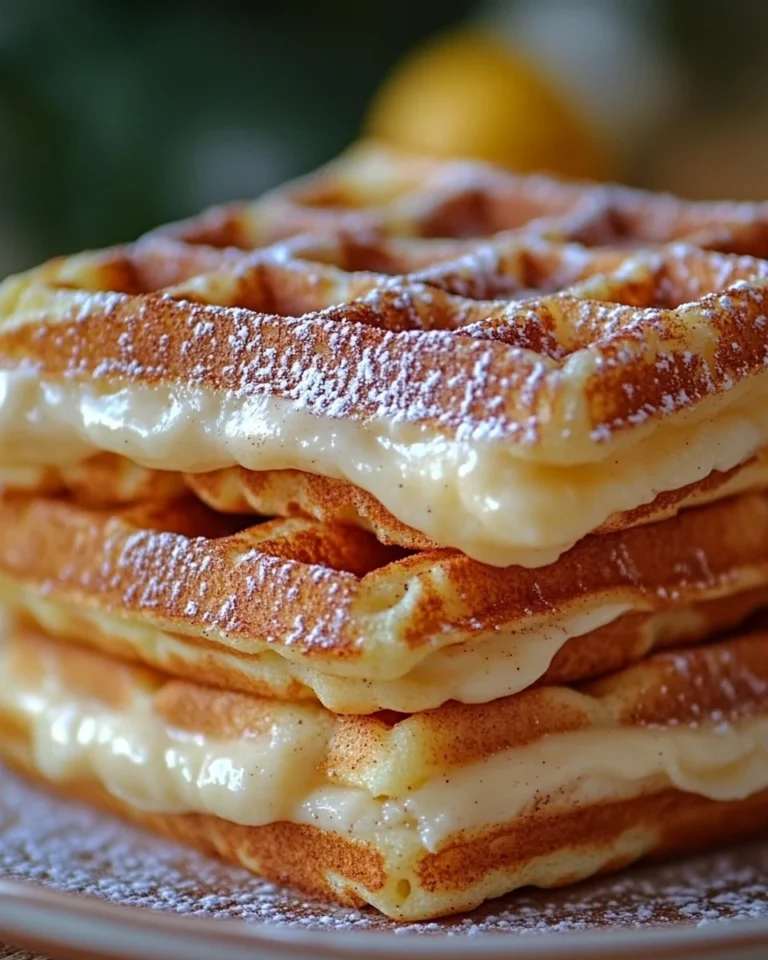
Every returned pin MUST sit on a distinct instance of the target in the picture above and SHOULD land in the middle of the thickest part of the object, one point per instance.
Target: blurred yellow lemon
(468, 95)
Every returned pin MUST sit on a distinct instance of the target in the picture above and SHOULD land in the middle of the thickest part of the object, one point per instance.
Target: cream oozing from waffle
(296, 608)
(409, 789)
(497, 508)
(507, 428)
(154, 766)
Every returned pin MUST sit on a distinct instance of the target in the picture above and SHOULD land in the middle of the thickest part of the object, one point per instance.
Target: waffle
(402, 812)
(504, 396)
(297, 493)
(111, 480)
(372, 187)
(103, 480)
(299, 609)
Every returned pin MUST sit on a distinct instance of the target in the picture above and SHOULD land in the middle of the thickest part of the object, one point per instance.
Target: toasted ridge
(563, 368)
(547, 852)
(402, 534)
(390, 755)
(373, 187)
(545, 844)
(297, 493)
(172, 584)
(109, 480)
(669, 319)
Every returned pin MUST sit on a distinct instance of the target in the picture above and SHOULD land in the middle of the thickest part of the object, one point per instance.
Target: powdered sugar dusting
(358, 326)
(66, 846)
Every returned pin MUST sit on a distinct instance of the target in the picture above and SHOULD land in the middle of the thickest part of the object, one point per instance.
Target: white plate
(74, 884)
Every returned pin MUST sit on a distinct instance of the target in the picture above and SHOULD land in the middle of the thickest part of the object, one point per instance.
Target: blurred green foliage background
(117, 116)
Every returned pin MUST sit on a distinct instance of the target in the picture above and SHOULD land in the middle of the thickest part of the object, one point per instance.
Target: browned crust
(724, 680)
(320, 321)
(139, 560)
(297, 493)
(635, 635)
(667, 823)
(108, 479)
(375, 187)
(675, 823)
(721, 681)
(286, 582)
(387, 752)
(609, 648)
(295, 854)
(510, 373)
(728, 679)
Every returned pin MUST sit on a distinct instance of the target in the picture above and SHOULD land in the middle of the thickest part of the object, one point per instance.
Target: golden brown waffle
(109, 480)
(289, 493)
(372, 187)
(297, 608)
(103, 480)
(506, 428)
(419, 816)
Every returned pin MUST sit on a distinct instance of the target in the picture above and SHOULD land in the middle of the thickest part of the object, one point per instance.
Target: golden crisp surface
(372, 187)
(554, 842)
(393, 297)
(275, 481)
(301, 609)
(110, 480)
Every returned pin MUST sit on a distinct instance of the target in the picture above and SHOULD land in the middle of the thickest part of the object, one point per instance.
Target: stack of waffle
(396, 535)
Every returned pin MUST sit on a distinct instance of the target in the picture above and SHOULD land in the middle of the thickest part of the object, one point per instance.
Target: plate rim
(22, 901)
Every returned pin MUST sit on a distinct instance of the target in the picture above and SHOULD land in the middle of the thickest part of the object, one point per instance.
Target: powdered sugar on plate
(48, 840)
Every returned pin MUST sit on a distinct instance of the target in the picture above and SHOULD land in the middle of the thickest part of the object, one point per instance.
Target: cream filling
(481, 497)
(275, 774)
(473, 671)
